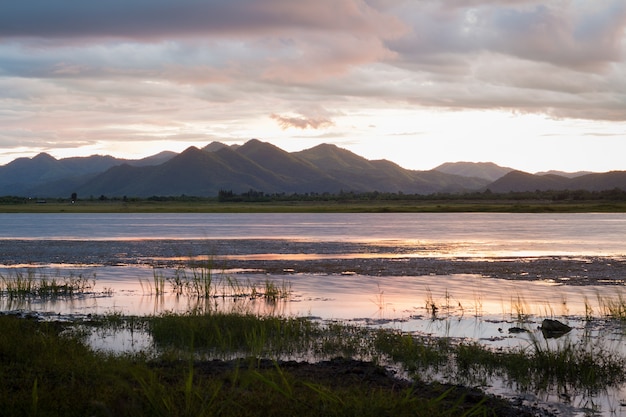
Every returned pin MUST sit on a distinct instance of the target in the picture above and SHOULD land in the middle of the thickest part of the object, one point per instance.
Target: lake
(499, 234)
(482, 271)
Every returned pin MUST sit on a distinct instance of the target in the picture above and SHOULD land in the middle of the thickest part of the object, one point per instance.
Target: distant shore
(347, 206)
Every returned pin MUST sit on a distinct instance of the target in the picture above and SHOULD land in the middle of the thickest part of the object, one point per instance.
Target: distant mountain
(193, 172)
(264, 167)
(20, 175)
(294, 172)
(157, 159)
(261, 166)
(485, 170)
(519, 181)
(599, 181)
(564, 174)
(214, 147)
(380, 175)
(45, 175)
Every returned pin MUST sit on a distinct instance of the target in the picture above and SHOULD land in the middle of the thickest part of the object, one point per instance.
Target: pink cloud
(285, 122)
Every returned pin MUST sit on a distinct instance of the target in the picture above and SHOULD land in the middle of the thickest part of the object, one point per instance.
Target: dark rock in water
(554, 328)
(517, 330)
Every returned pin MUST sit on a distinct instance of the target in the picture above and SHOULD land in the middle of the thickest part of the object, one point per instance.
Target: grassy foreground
(239, 365)
(46, 371)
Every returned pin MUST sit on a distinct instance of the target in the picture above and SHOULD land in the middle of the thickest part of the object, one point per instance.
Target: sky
(531, 85)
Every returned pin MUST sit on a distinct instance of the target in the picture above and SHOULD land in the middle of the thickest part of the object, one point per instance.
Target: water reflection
(465, 305)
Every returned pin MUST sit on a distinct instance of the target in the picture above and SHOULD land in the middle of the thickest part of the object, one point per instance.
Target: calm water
(481, 234)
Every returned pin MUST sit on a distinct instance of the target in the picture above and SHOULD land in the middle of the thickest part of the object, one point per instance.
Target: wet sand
(290, 256)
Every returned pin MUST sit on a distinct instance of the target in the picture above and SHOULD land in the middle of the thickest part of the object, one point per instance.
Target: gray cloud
(162, 19)
(564, 33)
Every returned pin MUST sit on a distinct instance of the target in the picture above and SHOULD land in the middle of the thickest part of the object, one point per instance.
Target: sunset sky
(532, 85)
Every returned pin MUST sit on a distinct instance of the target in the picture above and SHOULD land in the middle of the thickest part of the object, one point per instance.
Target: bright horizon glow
(416, 83)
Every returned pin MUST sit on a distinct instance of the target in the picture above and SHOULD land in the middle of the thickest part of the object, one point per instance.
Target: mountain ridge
(261, 166)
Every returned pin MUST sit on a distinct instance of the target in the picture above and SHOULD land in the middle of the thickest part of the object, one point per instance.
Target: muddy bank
(341, 373)
(288, 257)
(589, 271)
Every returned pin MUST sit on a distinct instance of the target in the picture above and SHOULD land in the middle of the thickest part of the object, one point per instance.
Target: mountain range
(261, 166)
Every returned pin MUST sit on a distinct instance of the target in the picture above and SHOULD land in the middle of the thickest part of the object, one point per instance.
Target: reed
(27, 285)
(520, 310)
(415, 353)
(225, 335)
(273, 292)
(613, 307)
(208, 291)
(431, 306)
(541, 367)
(158, 280)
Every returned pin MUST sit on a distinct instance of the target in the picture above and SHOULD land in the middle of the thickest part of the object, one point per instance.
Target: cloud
(302, 122)
(163, 19)
(193, 42)
(78, 71)
(565, 33)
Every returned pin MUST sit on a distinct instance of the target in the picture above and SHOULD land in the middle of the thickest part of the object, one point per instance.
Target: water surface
(480, 234)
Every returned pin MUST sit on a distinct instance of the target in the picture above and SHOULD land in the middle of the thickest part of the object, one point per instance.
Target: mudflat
(277, 256)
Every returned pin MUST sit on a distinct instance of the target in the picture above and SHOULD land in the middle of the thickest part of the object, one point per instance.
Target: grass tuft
(27, 285)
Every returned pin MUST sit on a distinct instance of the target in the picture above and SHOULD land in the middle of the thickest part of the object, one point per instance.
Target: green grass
(238, 364)
(356, 206)
(27, 285)
(201, 282)
(48, 371)
(226, 335)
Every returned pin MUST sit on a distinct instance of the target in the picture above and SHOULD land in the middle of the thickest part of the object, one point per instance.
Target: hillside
(261, 166)
(485, 170)
(518, 181)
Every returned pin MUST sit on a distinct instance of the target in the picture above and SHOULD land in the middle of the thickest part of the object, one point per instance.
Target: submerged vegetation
(28, 285)
(201, 282)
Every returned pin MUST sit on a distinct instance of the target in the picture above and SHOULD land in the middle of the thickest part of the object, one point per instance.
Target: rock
(554, 328)
(517, 330)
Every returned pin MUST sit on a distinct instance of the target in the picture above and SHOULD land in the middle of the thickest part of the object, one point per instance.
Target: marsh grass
(202, 282)
(225, 335)
(567, 367)
(613, 307)
(415, 353)
(29, 285)
(52, 372)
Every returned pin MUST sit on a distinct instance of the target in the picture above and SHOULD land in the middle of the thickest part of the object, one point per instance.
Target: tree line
(252, 196)
(615, 194)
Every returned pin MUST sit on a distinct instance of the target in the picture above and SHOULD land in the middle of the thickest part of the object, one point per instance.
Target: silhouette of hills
(261, 166)
(486, 170)
(519, 181)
